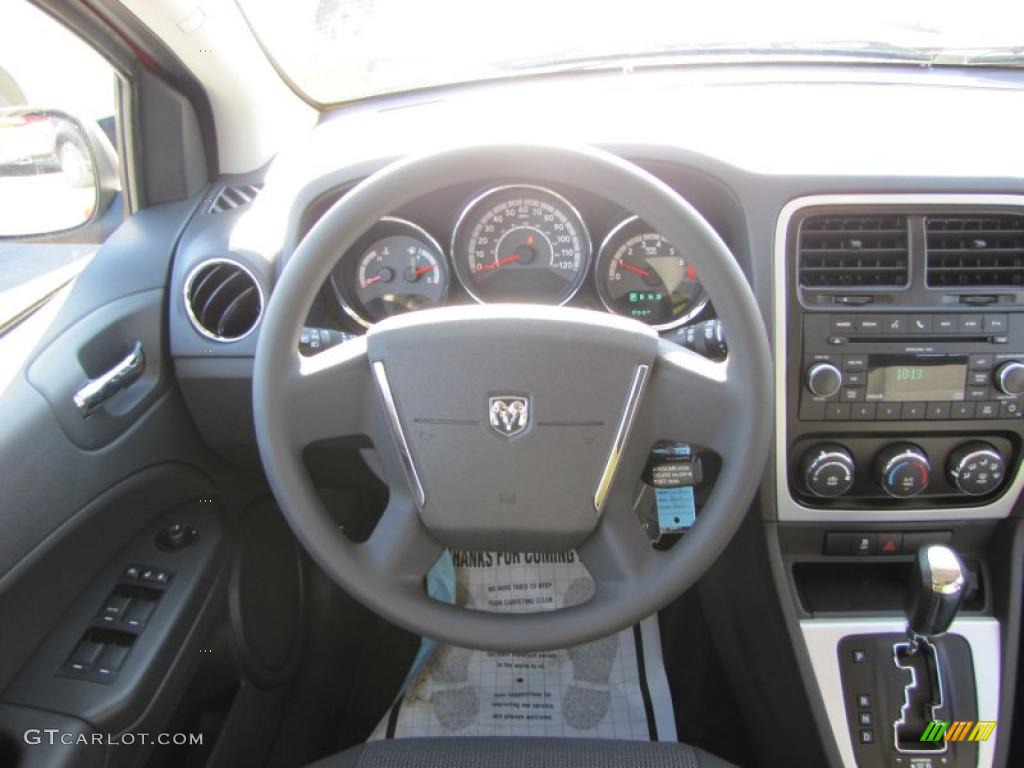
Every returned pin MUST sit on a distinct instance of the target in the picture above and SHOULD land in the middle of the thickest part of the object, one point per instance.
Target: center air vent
(975, 251)
(223, 299)
(838, 252)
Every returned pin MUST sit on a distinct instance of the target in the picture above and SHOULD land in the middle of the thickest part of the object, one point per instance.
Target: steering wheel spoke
(690, 399)
(618, 553)
(331, 395)
(400, 545)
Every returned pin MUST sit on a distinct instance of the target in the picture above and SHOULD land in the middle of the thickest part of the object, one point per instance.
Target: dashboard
(885, 257)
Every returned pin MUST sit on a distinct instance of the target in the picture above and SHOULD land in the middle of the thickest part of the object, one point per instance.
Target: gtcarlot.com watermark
(53, 736)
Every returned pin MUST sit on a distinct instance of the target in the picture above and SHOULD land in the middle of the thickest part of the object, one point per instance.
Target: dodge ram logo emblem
(509, 414)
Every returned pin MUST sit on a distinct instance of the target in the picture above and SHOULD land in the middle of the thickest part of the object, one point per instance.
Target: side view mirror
(57, 172)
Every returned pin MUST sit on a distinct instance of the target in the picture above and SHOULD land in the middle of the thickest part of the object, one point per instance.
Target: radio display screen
(916, 377)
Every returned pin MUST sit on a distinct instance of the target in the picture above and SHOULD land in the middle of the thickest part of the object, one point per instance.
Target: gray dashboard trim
(789, 509)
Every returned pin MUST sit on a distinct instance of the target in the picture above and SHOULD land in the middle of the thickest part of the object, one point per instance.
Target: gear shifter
(936, 590)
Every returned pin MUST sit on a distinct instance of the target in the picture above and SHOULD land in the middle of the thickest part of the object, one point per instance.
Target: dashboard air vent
(236, 196)
(223, 299)
(975, 251)
(847, 251)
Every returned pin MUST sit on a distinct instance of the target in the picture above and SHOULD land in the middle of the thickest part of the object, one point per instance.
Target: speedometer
(521, 243)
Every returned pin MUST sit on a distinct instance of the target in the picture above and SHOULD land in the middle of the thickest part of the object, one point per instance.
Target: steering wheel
(598, 391)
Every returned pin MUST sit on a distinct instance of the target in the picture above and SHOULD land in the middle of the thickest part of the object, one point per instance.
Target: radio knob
(902, 470)
(824, 379)
(827, 470)
(1009, 378)
(976, 468)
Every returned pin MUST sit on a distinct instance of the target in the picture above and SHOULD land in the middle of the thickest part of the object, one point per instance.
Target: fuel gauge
(396, 267)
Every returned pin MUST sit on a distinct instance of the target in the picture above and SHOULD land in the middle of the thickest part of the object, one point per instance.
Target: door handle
(97, 391)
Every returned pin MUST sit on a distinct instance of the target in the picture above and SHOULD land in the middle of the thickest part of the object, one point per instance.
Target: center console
(903, 371)
(899, 348)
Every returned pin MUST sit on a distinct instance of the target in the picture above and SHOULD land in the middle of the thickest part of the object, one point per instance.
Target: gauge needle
(637, 270)
(423, 270)
(371, 280)
(498, 263)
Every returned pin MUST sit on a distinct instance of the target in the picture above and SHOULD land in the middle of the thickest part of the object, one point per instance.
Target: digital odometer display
(521, 243)
(916, 378)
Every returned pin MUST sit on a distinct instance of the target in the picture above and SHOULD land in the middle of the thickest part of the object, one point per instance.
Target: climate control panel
(932, 467)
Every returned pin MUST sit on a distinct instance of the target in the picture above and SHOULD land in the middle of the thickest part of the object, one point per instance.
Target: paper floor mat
(612, 688)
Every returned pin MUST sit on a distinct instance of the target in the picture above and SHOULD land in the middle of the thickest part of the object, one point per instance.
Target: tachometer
(395, 267)
(640, 274)
(521, 243)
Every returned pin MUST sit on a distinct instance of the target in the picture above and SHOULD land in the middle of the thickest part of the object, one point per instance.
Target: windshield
(338, 50)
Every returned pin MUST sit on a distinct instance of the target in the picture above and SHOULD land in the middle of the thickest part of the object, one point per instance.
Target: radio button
(995, 323)
(836, 341)
(888, 411)
(980, 362)
(986, 411)
(857, 379)
(855, 363)
(869, 324)
(912, 411)
(842, 324)
(977, 378)
(894, 324)
(1009, 409)
(811, 410)
(853, 395)
(962, 411)
(946, 324)
(837, 412)
(977, 393)
(863, 412)
(938, 410)
(920, 324)
(970, 324)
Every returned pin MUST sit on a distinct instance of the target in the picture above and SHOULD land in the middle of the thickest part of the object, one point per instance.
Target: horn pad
(510, 413)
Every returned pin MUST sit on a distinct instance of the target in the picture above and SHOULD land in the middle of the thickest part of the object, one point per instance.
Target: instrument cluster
(517, 243)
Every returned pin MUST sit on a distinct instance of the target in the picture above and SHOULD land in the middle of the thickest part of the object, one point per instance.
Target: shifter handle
(937, 587)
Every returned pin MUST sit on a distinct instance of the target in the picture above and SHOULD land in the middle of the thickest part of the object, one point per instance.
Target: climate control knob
(1009, 378)
(902, 470)
(823, 379)
(827, 470)
(976, 468)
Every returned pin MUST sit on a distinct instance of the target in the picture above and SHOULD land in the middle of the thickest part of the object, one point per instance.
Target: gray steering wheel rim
(406, 603)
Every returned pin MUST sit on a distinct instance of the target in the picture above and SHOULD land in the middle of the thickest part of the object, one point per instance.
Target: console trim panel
(790, 509)
(822, 636)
